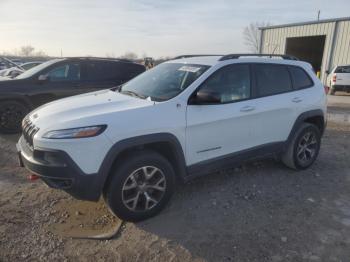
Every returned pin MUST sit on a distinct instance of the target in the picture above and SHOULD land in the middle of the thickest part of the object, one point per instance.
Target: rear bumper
(57, 169)
(341, 87)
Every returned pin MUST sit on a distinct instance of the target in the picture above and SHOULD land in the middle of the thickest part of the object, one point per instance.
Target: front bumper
(57, 169)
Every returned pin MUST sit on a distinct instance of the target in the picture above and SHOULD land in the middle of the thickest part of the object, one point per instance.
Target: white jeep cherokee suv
(183, 118)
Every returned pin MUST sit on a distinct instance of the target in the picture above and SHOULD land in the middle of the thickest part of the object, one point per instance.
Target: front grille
(28, 131)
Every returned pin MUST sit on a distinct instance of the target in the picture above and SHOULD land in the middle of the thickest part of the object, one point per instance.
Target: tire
(128, 190)
(11, 115)
(302, 152)
(332, 92)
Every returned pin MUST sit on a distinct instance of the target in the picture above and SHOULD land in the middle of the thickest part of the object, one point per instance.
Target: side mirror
(43, 78)
(203, 97)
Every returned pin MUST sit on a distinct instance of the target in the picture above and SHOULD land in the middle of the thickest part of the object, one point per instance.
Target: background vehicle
(10, 73)
(29, 65)
(17, 70)
(339, 79)
(183, 118)
(57, 79)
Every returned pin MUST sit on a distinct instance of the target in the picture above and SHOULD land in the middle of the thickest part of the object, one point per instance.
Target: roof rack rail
(99, 58)
(236, 56)
(188, 56)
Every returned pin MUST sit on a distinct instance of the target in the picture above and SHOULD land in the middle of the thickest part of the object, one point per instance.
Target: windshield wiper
(132, 93)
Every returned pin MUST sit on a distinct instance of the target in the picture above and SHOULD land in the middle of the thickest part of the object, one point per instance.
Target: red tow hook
(33, 177)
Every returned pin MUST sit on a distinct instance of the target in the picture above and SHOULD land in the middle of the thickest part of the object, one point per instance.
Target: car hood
(90, 109)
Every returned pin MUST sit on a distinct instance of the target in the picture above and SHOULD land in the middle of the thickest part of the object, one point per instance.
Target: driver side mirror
(204, 97)
(43, 78)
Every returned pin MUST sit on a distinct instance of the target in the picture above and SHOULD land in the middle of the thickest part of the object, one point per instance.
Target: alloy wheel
(307, 147)
(143, 188)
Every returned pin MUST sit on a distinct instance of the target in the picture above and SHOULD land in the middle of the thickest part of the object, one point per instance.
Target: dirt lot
(259, 212)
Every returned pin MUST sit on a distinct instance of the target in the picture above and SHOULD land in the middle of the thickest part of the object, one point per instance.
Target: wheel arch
(164, 143)
(17, 98)
(315, 117)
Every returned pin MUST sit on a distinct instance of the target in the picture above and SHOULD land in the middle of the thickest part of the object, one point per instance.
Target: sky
(147, 27)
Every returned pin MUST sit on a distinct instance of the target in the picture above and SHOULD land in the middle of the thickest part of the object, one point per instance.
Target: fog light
(53, 158)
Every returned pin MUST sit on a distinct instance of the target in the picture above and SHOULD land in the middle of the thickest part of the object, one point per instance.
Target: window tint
(231, 82)
(102, 70)
(300, 78)
(272, 79)
(66, 72)
(130, 70)
(342, 69)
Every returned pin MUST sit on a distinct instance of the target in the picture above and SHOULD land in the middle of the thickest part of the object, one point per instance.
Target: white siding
(341, 55)
(274, 41)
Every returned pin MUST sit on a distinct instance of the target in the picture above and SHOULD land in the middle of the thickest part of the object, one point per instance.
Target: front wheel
(304, 147)
(11, 115)
(140, 186)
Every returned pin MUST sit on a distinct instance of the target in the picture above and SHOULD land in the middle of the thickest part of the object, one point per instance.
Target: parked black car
(56, 79)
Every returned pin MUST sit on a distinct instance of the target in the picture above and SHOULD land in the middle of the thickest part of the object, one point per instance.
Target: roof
(307, 23)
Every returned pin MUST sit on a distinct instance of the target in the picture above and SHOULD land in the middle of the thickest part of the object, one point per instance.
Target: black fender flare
(301, 119)
(143, 140)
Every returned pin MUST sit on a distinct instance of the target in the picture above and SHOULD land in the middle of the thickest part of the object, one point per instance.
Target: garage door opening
(309, 49)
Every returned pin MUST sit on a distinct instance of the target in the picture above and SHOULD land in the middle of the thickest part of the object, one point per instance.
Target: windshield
(37, 69)
(163, 82)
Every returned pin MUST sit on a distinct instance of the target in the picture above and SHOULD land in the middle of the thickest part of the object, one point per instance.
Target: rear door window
(102, 71)
(300, 78)
(272, 79)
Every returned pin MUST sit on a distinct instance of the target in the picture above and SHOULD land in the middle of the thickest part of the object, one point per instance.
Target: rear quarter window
(130, 70)
(300, 78)
(272, 79)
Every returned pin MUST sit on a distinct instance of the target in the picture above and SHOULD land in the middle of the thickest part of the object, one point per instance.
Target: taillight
(334, 78)
(326, 89)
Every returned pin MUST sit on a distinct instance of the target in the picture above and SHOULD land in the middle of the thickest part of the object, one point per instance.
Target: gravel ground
(261, 211)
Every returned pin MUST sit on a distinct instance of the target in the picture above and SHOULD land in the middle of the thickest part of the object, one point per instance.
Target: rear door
(275, 103)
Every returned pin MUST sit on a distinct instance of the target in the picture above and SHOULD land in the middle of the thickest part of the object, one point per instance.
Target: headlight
(79, 132)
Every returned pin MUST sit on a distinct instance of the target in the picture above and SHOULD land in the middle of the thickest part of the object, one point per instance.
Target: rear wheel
(141, 186)
(304, 147)
(11, 115)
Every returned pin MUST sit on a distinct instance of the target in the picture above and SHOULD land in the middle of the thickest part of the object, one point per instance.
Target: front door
(225, 127)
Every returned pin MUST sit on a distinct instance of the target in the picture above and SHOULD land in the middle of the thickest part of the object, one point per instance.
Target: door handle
(247, 108)
(297, 100)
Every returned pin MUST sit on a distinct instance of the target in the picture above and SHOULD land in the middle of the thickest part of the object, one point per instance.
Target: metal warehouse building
(323, 43)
